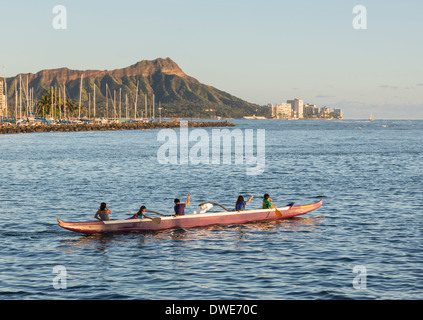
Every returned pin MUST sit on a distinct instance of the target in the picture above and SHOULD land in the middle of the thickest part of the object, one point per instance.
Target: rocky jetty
(13, 129)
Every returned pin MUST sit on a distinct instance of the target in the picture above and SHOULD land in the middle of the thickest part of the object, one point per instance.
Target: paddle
(160, 214)
(214, 203)
(155, 220)
(277, 212)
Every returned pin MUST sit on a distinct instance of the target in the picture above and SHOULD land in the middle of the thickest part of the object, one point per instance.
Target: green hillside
(178, 94)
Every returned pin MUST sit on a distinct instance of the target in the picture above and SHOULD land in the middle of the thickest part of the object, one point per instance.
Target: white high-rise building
(272, 109)
(297, 108)
(2, 100)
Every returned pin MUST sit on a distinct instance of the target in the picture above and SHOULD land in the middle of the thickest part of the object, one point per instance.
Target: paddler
(139, 214)
(180, 207)
(267, 202)
(102, 214)
(241, 203)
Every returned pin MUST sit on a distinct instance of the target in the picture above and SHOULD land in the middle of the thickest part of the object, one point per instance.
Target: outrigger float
(189, 221)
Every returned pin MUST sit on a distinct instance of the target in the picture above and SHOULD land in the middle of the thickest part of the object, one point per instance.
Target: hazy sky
(261, 51)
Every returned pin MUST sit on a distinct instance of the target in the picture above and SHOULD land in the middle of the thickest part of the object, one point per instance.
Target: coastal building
(272, 110)
(282, 111)
(297, 106)
(2, 100)
(295, 109)
(337, 113)
(326, 112)
(311, 111)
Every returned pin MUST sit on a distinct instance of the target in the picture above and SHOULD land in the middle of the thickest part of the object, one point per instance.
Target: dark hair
(140, 210)
(176, 201)
(240, 199)
(103, 206)
(266, 196)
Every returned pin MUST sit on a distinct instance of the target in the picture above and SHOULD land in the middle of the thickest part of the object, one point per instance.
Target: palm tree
(44, 106)
(71, 107)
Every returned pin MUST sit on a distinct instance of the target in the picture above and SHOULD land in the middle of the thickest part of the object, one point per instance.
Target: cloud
(324, 96)
(385, 86)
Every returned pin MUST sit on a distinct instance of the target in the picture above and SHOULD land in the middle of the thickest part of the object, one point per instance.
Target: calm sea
(364, 243)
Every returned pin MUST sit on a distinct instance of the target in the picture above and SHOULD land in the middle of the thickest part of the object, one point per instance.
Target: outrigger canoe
(189, 221)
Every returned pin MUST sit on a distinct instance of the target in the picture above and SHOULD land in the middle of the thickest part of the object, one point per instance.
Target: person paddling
(102, 214)
(180, 207)
(267, 202)
(139, 214)
(241, 203)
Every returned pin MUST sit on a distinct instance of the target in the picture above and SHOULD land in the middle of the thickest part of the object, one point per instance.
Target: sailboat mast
(146, 110)
(107, 102)
(20, 96)
(64, 100)
(80, 98)
(52, 101)
(126, 105)
(16, 99)
(114, 102)
(27, 95)
(5, 90)
(136, 103)
(89, 105)
(94, 102)
(58, 104)
(120, 103)
(30, 101)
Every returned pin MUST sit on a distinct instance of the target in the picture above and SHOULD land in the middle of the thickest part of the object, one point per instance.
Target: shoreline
(16, 129)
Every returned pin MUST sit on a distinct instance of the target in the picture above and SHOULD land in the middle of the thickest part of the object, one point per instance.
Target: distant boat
(371, 117)
(255, 117)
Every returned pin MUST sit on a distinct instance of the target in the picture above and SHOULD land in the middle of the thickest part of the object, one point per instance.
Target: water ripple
(369, 179)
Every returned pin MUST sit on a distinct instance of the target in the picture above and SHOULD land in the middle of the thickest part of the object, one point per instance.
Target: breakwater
(14, 129)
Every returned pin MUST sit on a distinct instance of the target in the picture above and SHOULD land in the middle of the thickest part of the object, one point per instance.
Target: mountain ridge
(177, 92)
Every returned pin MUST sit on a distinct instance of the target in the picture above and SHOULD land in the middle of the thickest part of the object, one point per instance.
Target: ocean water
(365, 242)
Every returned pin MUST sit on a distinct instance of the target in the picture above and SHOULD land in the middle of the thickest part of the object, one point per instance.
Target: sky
(260, 51)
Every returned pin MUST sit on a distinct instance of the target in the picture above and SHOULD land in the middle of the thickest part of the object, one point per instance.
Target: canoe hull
(188, 221)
